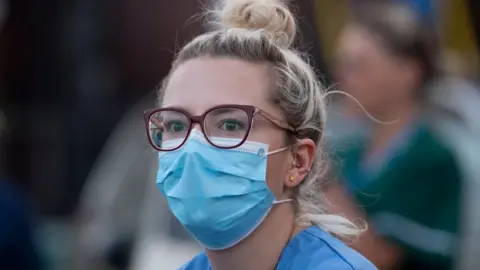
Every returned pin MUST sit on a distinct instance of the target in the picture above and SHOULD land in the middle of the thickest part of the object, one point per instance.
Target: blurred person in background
(18, 248)
(245, 179)
(402, 176)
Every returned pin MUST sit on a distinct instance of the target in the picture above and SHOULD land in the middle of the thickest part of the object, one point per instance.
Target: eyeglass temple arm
(274, 120)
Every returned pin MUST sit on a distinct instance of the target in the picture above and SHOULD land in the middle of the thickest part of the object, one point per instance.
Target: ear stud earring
(291, 178)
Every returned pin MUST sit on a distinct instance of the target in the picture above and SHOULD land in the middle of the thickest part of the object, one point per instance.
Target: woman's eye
(232, 125)
(175, 126)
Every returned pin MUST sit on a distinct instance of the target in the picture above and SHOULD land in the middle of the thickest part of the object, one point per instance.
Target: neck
(383, 133)
(262, 249)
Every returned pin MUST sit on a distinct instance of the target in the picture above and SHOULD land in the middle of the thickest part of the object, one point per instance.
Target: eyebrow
(224, 110)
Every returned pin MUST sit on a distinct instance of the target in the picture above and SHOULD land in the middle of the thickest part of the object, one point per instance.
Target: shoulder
(314, 249)
(428, 144)
(199, 262)
(429, 156)
(434, 141)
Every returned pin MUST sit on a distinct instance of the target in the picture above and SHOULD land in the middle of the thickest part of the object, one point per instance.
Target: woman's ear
(303, 156)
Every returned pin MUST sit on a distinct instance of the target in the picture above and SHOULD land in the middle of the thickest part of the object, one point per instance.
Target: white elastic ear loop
(277, 151)
(271, 153)
(282, 201)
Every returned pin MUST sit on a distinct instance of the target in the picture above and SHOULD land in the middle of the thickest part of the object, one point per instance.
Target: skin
(382, 82)
(200, 84)
(385, 85)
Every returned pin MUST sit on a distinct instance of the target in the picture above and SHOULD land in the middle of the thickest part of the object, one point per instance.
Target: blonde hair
(264, 31)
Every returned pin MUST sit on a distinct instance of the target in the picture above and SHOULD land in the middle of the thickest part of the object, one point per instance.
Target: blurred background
(77, 182)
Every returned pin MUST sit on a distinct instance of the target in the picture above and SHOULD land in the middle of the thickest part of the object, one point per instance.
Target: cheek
(276, 173)
(373, 87)
(357, 79)
(362, 86)
(277, 166)
(388, 83)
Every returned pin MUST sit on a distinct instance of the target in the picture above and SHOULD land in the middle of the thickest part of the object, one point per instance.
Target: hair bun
(272, 16)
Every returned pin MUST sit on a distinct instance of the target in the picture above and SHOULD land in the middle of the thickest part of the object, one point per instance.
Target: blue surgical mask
(219, 195)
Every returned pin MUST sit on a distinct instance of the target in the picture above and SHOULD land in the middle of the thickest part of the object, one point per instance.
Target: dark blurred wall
(146, 35)
(33, 94)
(474, 6)
(148, 32)
(69, 70)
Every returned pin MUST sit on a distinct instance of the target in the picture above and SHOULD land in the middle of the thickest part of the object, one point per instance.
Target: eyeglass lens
(223, 127)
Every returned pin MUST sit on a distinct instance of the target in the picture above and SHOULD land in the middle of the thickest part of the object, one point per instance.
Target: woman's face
(200, 84)
(368, 72)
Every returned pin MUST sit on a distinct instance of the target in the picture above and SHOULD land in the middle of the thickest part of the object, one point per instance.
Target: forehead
(202, 83)
(357, 41)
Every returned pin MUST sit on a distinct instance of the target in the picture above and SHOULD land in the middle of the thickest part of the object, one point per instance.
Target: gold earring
(291, 178)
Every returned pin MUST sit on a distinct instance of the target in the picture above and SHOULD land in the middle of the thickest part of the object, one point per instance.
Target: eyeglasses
(224, 126)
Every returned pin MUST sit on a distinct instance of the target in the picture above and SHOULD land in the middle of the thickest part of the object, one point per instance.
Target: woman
(241, 115)
(403, 175)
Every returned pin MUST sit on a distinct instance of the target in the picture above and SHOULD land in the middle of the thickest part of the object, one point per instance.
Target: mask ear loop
(277, 151)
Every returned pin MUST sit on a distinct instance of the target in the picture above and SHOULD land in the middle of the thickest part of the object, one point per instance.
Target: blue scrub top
(311, 249)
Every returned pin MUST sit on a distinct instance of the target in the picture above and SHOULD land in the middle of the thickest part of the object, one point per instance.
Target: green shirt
(411, 195)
